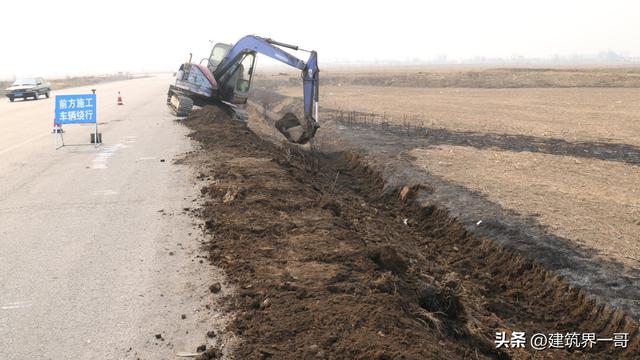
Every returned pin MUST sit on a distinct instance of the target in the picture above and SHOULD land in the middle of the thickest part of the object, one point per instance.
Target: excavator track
(180, 105)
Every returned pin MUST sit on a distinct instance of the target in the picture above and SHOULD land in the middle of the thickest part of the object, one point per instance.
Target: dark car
(28, 87)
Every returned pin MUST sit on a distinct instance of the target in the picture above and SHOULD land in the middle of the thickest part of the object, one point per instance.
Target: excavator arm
(290, 126)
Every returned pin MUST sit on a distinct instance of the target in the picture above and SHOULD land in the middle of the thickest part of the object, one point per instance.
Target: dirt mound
(330, 266)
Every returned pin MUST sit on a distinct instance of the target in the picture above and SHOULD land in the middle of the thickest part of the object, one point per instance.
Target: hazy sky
(67, 37)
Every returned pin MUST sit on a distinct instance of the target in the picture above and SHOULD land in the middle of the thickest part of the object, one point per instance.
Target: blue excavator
(225, 79)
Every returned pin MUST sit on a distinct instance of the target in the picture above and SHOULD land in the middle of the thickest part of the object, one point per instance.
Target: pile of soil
(331, 265)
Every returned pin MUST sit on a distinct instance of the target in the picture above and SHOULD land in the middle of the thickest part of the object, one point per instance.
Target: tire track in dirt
(330, 264)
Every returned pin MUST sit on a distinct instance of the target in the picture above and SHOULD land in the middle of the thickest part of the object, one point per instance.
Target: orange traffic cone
(120, 99)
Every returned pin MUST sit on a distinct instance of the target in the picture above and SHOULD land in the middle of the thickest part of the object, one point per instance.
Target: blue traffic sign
(75, 109)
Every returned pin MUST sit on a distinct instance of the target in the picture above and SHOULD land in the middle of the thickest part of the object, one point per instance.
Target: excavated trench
(331, 264)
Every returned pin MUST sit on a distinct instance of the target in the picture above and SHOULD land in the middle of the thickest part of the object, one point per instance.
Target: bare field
(464, 76)
(552, 171)
(577, 194)
(572, 114)
(594, 202)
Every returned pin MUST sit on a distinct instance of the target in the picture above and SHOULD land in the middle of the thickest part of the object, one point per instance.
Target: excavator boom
(295, 130)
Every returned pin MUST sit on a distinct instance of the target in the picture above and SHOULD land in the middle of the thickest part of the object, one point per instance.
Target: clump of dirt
(331, 266)
(388, 259)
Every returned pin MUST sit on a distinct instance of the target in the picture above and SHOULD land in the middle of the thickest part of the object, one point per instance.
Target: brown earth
(332, 264)
(550, 172)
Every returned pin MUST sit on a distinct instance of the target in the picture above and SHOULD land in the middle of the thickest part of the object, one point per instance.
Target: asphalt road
(86, 232)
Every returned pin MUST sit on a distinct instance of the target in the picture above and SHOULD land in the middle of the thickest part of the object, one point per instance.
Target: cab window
(244, 72)
(217, 55)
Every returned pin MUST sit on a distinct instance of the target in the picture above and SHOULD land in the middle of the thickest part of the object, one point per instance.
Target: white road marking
(147, 158)
(100, 162)
(105, 192)
(15, 305)
(129, 139)
(23, 143)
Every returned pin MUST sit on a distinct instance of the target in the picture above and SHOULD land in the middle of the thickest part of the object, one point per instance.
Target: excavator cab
(241, 79)
(218, 54)
(237, 82)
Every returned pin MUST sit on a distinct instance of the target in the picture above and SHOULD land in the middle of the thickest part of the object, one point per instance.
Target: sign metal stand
(75, 109)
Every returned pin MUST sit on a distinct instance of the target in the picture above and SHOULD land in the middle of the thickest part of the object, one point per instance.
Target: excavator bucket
(296, 130)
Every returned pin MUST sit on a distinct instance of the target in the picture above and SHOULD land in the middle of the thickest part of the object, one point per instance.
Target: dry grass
(596, 203)
(470, 77)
